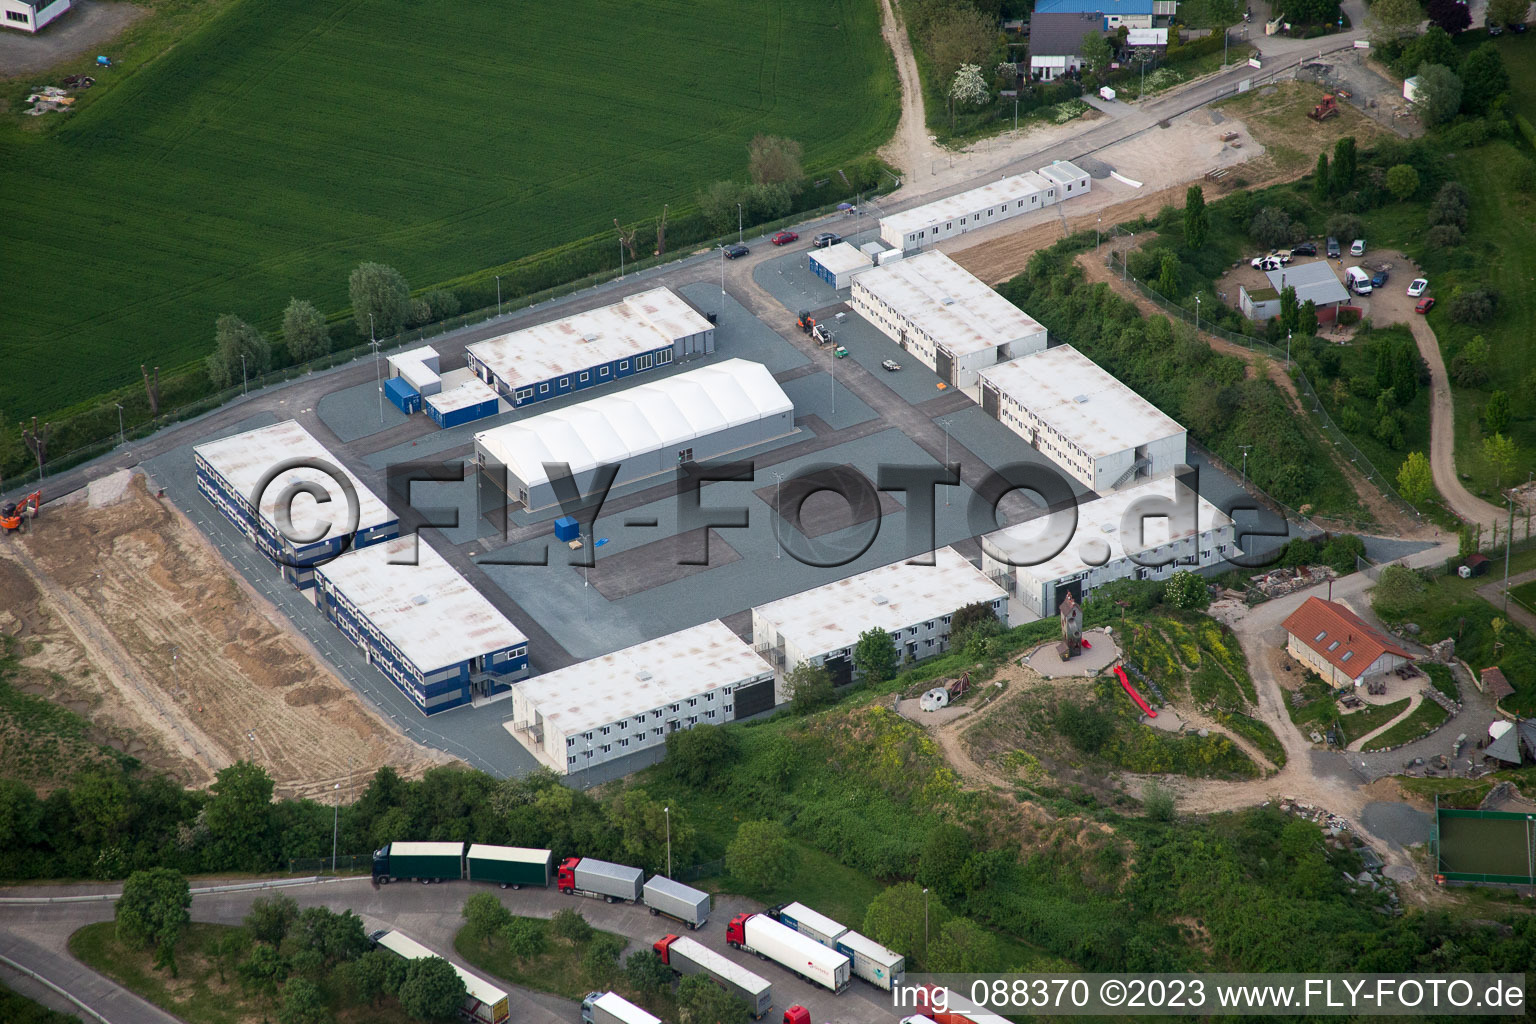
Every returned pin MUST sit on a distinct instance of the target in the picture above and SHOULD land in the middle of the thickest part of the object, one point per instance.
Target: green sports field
(287, 140)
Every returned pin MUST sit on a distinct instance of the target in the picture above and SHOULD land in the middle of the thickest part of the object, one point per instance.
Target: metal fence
(694, 872)
(346, 863)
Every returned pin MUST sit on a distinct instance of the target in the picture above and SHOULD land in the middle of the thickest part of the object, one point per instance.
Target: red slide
(1086, 645)
(1132, 691)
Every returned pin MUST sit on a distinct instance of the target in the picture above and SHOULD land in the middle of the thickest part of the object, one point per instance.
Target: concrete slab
(357, 412)
(739, 334)
(812, 395)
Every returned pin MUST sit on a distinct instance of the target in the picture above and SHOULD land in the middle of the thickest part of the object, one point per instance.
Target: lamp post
(1509, 537)
(498, 279)
(1245, 448)
(378, 376)
(722, 279)
(1197, 313)
(738, 223)
(243, 389)
(668, 812)
(945, 424)
(1287, 350)
(1125, 257)
(778, 548)
(1097, 225)
(925, 927)
(335, 822)
(122, 438)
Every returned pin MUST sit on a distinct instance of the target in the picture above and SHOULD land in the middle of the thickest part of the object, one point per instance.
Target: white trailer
(682, 903)
(809, 923)
(685, 956)
(611, 1008)
(761, 934)
(881, 967)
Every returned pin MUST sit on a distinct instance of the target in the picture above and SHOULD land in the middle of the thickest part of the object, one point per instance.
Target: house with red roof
(1340, 646)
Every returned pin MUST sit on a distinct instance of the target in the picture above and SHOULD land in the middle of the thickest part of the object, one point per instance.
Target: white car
(1357, 247)
(1266, 263)
(1417, 288)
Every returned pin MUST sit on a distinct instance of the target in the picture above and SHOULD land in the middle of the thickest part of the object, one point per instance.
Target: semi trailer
(761, 934)
(685, 956)
(426, 862)
(678, 901)
(611, 1008)
(807, 922)
(514, 866)
(881, 967)
(600, 879)
(484, 1003)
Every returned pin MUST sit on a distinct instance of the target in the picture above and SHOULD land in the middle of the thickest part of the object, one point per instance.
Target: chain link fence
(346, 864)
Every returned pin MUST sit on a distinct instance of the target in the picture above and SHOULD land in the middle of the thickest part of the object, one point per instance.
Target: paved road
(37, 935)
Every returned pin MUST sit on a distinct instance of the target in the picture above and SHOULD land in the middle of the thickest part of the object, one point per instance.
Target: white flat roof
(892, 597)
(963, 204)
(642, 678)
(510, 854)
(426, 849)
(816, 921)
(665, 412)
(1101, 520)
(953, 306)
(1081, 400)
(425, 354)
(404, 946)
(430, 612)
(841, 258)
(642, 322)
(243, 459)
(1063, 171)
(471, 392)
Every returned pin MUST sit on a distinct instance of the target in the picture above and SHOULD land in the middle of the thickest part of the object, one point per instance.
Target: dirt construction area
(127, 616)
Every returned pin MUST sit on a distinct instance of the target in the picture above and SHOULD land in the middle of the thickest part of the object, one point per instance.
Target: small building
(643, 331)
(1411, 89)
(836, 264)
(412, 375)
(421, 623)
(1147, 39)
(1260, 304)
(1108, 14)
(968, 211)
(32, 15)
(629, 701)
(469, 400)
(913, 603)
(1476, 564)
(1342, 648)
(647, 430)
(1056, 42)
(1079, 416)
(1314, 282)
(1493, 682)
(1123, 535)
(947, 318)
(235, 475)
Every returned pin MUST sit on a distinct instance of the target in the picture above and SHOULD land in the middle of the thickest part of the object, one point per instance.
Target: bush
(1443, 236)
(1271, 227)
(1087, 728)
(1345, 227)
(568, 924)
(1186, 590)
(601, 959)
(1472, 306)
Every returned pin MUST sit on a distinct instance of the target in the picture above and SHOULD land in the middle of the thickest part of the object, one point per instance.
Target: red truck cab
(797, 1015)
(565, 874)
(736, 935)
(663, 947)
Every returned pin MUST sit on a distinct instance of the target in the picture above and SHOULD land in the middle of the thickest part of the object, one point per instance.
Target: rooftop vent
(1080, 398)
(419, 599)
(643, 675)
(880, 599)
(946, 300)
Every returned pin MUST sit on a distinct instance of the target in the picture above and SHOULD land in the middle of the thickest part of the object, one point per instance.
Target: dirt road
(910, 148)
(1442, 434)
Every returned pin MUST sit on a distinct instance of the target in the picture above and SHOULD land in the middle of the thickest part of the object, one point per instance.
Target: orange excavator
(14, 515)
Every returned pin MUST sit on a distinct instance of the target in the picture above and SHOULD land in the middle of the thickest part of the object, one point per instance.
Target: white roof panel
(948, 303)
(426, 849)
(891, 597)
(427, 610)
(964, 204)
(841, 258)
(472, 392)
(1081, 400)
(243, 459)
(510, 854)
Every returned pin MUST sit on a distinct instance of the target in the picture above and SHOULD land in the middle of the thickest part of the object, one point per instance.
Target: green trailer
(427, 862)
(514, 866)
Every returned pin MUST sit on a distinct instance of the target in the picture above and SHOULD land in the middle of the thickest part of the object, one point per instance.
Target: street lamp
(121, 437)
(1125, 257)
(778, 548)
(335, 822)
(1245, 448)
(722, 279)
(1098, 224)
(668, 812)
(1287, 350)
(738, 222)
(498, 281)
(925, 927)
(378, 377)
(945, 424)
(243, 390)
(1197, 313)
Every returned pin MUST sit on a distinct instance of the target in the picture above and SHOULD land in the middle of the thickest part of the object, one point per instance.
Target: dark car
(784, 238)
(826, 238)
(736, 251)
(1426, 304)
(1378, 279)
(1304, 249)
(1516, 27)
(1333, 248)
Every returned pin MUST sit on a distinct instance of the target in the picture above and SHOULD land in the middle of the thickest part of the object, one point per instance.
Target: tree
(486, 915)
(700, 755)
(381, 300)
(1450, 15)
(1439, 95)
(1483, 80)
(1271, 227)
(1508, 12)
(568, 924)
(334, 936)
(1196, 224)
(761, 855)
(809, 687)
(896, 917)
(367, 977)
(1344, 227)
(962, 947)
(718, 205)
(525, 937)
(442, 303)
(969, 87)
(644, 972)
(1405, 366)
(1471, 306)
(1393, 19)
(601, 958)
(1415, 481)
(261, 971)
(701, 1001)
(1290, 310)
(304, 331)
(1096, 51)
(432, 990)
(240, 819)
(874, 657)
(152, 911)
(233, 338)
(1450, 206)
(1168, 275)
(1402, 182)
(1396, 592)
(1501, 454)
(960, 35)
(1469, 367)
(1496, 414)
(945, 851)
(270, 917)
(1320, 184)
(1186, 589)
(303, 1004)
(642, 824)
(1344, 161)
(774, 160)
(1157, 802)
(1306, 320)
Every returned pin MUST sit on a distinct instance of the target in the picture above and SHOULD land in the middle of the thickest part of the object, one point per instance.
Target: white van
(1358, 281)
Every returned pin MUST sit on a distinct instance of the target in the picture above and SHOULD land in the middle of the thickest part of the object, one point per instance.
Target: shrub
(1472, 306)
(1443, 236)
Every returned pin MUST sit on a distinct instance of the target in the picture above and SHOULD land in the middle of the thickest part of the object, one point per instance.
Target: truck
(678, 901)
(685, 956)
(425, 862)
(807, 922)
(599, 879)
(881, 967)
(761, 934)
(484, 1003)
(611, 1008)
(514, 866)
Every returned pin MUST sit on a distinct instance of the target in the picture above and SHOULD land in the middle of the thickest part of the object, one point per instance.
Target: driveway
(82, 32)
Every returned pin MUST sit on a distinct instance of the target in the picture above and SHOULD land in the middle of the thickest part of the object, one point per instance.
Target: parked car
(736, 251)
(1357, 247)
(1418, 287)
(1333, 249)
(1426, 304)
(826, 238)
(1379, 278)
(890, 364)
(1304, 249)
(1516, 27)
(784, 238)
(1266, 263)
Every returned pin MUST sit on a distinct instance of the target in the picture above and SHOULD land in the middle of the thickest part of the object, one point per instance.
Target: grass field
(282, 142)
(1426, 718)
(18, 1009)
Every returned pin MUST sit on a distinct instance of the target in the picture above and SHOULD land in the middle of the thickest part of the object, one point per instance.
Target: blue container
(567, 528)
(402, 396)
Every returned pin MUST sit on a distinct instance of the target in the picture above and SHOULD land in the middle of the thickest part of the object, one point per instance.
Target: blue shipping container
(402, 396)
(567, 528)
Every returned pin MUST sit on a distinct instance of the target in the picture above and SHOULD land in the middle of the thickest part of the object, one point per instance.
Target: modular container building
(628, 701)
(1072, 180)
(678, 901)
(646, 430)
(611, 1008)
(808, 922)
(418, 367)
(236, 475)
(588, 876)
(1127, 534)
(913, 603)
(600, 346)
(469, 401)
(413, 861)
(32, 15)
(1083, 419)
(977, 208)
(944, 316)
(686, 956)
(484, 1003)
(881, 967)
(761, 934)
(836, 264)
(402, 396)
(514, 866)
(420, 623)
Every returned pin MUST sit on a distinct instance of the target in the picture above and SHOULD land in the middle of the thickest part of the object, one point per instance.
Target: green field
(282, 142)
